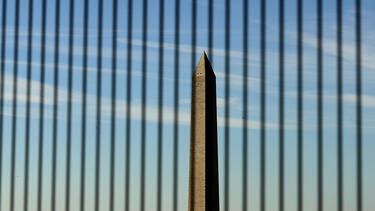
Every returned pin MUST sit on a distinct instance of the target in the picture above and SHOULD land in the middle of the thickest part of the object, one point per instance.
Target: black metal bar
(69, 107)
(262, 106)
(193, 40)
(144, 90)
(245, 104)
(160, 109)
(359, 103)
(210, 30)
(98, 104)
(320, 106)
(84, 104)
(175, 110)
(281, 105)
(14, 109)
(227, 106)
(28, 91)
(339, 109)
(3, 45)
(113, 105)
(300, 105)
(41, 105)
(55, 103)
(128, 105)
(193, 34)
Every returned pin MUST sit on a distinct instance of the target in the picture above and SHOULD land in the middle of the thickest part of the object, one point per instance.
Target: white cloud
(188, 49)
(151, 110)
(367, 100)
(119, 71)
(348, 49)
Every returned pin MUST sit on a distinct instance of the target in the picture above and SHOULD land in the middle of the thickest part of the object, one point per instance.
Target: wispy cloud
(349, 50)
(349, 98)
(349, 45)
(235, 79)
(119, 71)
(188, 49)
(151, 110)
(367, 100)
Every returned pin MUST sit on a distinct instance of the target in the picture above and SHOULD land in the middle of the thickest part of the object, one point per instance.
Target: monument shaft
(203, 179)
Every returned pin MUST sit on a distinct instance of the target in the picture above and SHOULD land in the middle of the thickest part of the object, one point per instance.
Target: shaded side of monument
(203, 179)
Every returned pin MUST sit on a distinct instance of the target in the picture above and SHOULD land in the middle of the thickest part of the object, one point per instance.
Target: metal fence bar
(84, 104)
(210, 30)
(69, 106)
(263, 104)
(55, 103)
(300, 105)
(113, 105)
(175, 109)
(41, 105)
(160, 108)
(193, 34)
(320, 104)
(339, 109)
(27, 126)
(245, 105)
(143, 123)
(3, 40)
(14, 109)
(128, 104)
(227, 106)
(359, 101)
(98, 103)
(281, 105)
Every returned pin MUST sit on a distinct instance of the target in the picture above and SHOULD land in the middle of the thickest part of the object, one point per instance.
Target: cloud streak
(151, 110)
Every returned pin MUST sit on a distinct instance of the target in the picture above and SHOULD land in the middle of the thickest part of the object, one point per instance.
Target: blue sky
(310, 123)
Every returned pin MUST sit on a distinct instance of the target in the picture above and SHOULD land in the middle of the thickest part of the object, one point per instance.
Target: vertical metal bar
(98, 104)
(28, 91)
(175, 110)
(3, 45)
(194, 33)
(84, 104)
(210, 30)
(300, 106)
(160, 108)
(359, 103)
(144, 90)
(320, 107)
(339, 109)
(128, 104)
(41, 105)
(281, 105)
(69, 112)
(113, 105)
(14, 109)
(245, 104)
(55, 103)
(227, 108)
(262, 107)
(193, 40)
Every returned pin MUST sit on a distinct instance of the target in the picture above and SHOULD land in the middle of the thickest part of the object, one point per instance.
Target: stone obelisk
(203, 179)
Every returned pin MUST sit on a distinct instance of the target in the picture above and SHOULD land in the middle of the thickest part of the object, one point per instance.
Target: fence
(95, 103)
